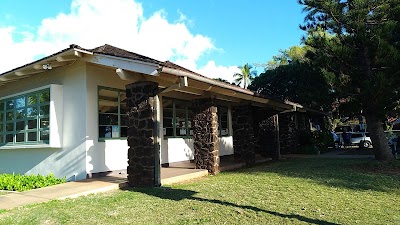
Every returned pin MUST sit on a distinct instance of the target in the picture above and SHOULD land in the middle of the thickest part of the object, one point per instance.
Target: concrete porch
(184, 171)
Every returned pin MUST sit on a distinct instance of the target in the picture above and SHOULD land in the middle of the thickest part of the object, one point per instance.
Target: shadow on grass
(180, 194)
(331, 172)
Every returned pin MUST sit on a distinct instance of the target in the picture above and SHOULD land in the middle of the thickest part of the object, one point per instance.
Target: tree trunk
(381, 146)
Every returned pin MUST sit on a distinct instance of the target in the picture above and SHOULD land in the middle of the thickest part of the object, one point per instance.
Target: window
(25, 119)
(113, 119)
(177, 118)
(222, 121)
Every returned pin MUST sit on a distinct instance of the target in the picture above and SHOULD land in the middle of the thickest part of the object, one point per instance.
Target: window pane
(108, 119)
(31, 112)
(32, 99)
(44, 123)
(9, 126)
(124, 120)
(44, 135)
(167, 113)
(169, 131)
(109, 131)
(1, 105)
(224, 125)
(44, 110)
(1, 127)
(124, 131)
(180, 105)
(32, 124)
(1, 138)
(9, 138)
(21, 113)
(108, 101)
(9, 115)
(167, 122)
(180, 123)
(45, 97)
(20, 125)
(20, 137)
(1, 116)
(10, 104)
(32, 136)
(20, 102)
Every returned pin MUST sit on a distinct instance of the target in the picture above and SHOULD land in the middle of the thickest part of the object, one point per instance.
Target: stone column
(243, 134)
(269, 137)
(287, 132)
(205, 135)
(143, 157)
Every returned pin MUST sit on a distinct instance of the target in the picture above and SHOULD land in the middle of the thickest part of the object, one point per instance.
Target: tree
(295, 80)
(357, 44)
(246, 75)
(287, 56)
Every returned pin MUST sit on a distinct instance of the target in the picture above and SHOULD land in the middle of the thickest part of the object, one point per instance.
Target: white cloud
(91, 23)
(213, 71)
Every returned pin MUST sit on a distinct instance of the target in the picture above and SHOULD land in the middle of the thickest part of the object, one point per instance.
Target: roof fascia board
(123, 63)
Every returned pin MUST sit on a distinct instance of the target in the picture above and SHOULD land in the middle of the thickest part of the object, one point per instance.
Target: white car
(358, 138)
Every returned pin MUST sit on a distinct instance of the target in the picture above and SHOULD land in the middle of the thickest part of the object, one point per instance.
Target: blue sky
(212, 37)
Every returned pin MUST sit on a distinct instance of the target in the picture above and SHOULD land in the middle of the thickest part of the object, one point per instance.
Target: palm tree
(246, 75)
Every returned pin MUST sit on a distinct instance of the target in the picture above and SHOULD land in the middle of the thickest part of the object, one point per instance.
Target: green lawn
(301, 191)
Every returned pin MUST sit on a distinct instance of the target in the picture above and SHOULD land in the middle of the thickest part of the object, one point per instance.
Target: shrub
(322, 140)
(314, 142)
(18, 182)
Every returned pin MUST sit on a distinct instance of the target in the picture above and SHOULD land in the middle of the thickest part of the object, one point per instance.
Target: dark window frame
(118, 114)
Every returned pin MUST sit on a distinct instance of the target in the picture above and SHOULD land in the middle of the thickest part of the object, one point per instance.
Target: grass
(298, 191)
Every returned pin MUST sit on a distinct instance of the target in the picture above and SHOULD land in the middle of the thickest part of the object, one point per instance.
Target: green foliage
(297, 82)
(357, 45)
(246, 76)
(295, 54)
(314, 142)
(322, 140)
(17, 182)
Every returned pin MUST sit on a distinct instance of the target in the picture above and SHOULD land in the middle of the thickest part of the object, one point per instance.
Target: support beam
(183, 83)
(128, 75)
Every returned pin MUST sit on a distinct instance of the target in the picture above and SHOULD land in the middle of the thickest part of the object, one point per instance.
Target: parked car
(360, 138)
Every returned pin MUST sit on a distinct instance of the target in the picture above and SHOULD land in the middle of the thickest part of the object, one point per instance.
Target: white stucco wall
(225, 145)
(108, 155)
(68, 160)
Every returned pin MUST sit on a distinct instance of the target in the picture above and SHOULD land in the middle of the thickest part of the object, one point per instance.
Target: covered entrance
(187, 118)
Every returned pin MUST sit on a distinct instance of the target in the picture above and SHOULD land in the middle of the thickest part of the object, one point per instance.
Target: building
(70, 114)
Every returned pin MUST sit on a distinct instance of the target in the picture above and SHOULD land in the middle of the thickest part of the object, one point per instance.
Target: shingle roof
(118, 52)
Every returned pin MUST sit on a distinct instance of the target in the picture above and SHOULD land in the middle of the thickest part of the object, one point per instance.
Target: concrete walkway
(61, 191)
(91, 186)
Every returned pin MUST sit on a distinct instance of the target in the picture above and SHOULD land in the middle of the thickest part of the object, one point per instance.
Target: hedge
(18, 182)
